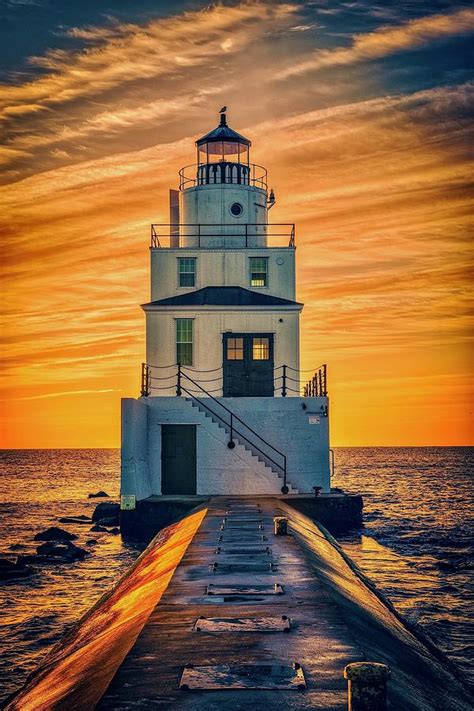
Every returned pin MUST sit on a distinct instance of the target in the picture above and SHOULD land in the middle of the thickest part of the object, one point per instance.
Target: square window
(235, 349)
(187, 271)
(258, 271)
(184, 341)
(260, 348)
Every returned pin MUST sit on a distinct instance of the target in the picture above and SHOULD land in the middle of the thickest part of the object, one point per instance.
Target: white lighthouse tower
(223, 409)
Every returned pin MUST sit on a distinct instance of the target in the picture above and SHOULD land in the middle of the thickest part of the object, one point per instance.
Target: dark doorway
(178, 459)
(248, 365)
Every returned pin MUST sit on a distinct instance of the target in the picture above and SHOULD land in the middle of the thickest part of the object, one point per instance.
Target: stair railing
(180, 388)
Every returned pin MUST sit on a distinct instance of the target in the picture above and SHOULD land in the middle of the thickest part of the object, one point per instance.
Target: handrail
(175, 231)
(317, 385)
(251, 174)
(231, 444)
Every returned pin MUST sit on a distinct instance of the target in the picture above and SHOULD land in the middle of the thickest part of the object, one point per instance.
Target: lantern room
(223, 156)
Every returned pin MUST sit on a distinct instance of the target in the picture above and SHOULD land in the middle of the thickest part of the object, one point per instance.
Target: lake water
(416, 544)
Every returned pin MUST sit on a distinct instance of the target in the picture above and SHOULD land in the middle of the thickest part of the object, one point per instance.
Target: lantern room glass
(223, 152)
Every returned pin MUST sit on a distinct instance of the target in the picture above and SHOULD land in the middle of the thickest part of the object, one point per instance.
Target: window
(184, 341)
(187, 271)
(260, 348)
(236, 209)
(258, 271)
(235, 349)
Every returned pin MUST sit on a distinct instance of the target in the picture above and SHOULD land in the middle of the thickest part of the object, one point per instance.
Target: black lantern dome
(223, 143)
(223, 155)
(223, 133)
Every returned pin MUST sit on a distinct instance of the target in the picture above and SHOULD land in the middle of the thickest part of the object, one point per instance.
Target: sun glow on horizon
(374, 175)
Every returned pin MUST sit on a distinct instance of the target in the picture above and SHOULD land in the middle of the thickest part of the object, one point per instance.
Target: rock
(107, 510)
(114, 530)
(91, 542)
(17, 546)
(14, 569)
(108, 521)
(75, 519)
(66, 551)
(98, 529)
(55, 534)
(99, 495)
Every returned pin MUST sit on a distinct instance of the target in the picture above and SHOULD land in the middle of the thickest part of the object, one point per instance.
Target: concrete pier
(231, 574)
(337, 511)
(252, 619)
(219, 612)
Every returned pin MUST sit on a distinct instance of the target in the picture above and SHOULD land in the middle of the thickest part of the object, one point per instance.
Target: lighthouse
(224, 408)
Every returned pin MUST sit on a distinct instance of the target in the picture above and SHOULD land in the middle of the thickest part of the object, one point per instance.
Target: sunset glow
(361, 117)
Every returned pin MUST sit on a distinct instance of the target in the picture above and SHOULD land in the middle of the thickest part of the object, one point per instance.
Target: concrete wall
(210, 204)
(135, 478)
(209, 325)
(223, 267)
(286, 424)
(282, 422)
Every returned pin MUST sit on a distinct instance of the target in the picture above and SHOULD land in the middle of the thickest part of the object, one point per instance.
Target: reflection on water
(416, 544)
(37, 488)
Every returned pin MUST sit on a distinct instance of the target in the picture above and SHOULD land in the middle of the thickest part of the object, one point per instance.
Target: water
(36, 488)
(416, 543)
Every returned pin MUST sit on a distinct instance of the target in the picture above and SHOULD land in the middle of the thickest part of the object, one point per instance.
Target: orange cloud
(377, 187)
(125, 52)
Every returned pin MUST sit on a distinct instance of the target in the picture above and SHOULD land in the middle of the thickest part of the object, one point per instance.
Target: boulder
(55, 534)
(114, 530)
(14, 569)
(99, 495)
(17, 546)
(66, 551)
(107, 510)
(108, 521)
(75, 519)
(91, 542)
(98, 529)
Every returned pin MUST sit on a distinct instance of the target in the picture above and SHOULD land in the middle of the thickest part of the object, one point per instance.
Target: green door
(178, 459)
(248, 365)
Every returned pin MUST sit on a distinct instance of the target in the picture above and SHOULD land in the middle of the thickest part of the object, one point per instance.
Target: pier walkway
(244, 623)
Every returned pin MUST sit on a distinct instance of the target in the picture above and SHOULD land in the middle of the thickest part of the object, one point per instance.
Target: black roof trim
(223, 132)
(223, 296)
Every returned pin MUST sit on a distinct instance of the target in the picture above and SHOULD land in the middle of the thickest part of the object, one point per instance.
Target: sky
(359, 110)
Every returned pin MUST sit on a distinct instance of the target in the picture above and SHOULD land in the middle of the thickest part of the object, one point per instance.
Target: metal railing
(285, 380)
(317, 385)
(223, 172)
(230, 423)
(172, 234)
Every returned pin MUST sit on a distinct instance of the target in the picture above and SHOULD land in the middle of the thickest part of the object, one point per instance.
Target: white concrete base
(297, 427)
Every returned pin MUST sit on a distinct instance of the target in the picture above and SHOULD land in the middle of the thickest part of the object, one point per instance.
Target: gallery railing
(285, 380)
(189, 235)
(317, 385)
(223, 172)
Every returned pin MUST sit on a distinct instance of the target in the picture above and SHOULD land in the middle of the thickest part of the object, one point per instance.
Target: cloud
(385, 41)
(376, 183)
(125, 53)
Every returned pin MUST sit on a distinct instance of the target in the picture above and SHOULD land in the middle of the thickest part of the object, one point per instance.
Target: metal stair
(240, 441)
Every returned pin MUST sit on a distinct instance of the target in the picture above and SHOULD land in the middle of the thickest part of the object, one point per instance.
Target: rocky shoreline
(56, 544)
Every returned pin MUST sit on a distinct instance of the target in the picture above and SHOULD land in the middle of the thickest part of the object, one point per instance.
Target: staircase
(243, 445)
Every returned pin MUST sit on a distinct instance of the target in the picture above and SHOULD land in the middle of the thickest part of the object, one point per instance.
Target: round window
(236, 209)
